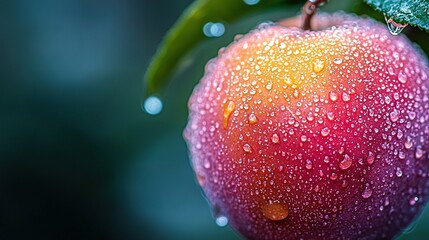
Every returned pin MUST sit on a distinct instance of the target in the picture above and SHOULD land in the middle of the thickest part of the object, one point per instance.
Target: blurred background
(79, 158)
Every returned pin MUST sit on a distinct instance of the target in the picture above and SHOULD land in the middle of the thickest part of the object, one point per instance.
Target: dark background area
(79, 159)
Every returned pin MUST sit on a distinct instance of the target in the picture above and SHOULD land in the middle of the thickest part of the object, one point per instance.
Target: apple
(316, 134)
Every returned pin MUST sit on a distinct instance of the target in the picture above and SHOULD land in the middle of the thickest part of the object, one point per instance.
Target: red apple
(319, 134)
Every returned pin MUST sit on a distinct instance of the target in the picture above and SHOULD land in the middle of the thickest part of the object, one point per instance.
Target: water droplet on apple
(275, 211)
(252, 118)
(412, 115)
(338, 60)
(325, 131)
(394, 115)
(227, 113)
(346, 162)
(346, 97)
(247, 148)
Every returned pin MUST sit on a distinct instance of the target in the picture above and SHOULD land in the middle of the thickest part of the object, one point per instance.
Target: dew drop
(325, 131)
(303, 138)
(200, 178)
(330, 115)
(370, 159)
(419, 152)
(221, 221)
(367, 192)
(346, 162)
(275, 211)
(153, 105)
(346, 97)
(394, 116)
(252, 118)
(338, 60)
(308, 164)
(408, 143)
(333, 96)
(398, 172)
(318, 65)
(394, 27)
(227, 113)
(247, 148)
(288, 80)
(400, 134)
(402, 77)
(275, 138)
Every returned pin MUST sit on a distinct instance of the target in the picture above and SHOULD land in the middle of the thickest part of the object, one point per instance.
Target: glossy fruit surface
(318, 134)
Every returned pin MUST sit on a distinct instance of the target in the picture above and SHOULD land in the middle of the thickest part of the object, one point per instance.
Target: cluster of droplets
(306, 119)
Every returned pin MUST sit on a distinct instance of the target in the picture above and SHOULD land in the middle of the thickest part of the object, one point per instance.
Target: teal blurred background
(79, 159)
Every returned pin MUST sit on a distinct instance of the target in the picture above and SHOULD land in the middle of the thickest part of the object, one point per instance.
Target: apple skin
(317, 134)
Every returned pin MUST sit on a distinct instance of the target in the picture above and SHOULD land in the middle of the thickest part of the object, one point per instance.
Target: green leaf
(187, 32)
(413, 12)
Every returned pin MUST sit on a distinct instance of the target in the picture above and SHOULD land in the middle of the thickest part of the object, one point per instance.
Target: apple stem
(309, 9)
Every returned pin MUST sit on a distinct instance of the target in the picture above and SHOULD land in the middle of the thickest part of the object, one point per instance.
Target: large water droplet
(227, 113)
(338, 60)
(275, 211)
(412, 115)
(247, 148)
(330, 115)
(394, 115)
(333, 96)
(269, 85)
(398, 172)
(394, 27)
(370, 159)
(252, 118)
(221, 221)
(153, 105)
(419, 152)
(408, 143)
(402, 77)
(346, 162)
